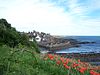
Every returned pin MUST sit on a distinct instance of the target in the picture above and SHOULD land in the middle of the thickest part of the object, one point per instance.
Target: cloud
(94, 4)
(60, 17)
(26, 16)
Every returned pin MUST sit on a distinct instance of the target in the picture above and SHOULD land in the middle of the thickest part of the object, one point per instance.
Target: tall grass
(25, 61)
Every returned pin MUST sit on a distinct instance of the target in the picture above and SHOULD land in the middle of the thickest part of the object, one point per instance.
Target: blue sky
(57, 17)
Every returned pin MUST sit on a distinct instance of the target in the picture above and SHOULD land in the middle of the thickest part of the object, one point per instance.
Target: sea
(84, 48)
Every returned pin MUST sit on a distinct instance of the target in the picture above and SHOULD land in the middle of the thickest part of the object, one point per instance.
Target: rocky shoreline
(54, 43)
(58, 43)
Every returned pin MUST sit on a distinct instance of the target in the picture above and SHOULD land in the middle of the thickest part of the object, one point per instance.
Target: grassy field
(25, 61)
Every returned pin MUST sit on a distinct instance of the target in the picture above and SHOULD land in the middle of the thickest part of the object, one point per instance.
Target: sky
(57, 17)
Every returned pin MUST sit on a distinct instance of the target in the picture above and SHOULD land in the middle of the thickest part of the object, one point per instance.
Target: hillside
(19, 56)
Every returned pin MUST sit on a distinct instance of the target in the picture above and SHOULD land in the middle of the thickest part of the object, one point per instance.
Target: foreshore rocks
(86, 42)
(92, 58)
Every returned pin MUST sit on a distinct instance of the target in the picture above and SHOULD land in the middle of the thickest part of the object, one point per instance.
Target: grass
(25, 61)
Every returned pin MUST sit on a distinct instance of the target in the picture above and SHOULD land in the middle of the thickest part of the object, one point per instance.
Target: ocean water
(85, 48)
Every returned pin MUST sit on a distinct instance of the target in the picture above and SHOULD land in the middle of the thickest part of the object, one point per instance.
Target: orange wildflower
(66, 62)
(66, 66)
(51, 56)
(74, 65)
(94, 73)
(82, 70)
(62, 59)
(58, 62)
(79, 60)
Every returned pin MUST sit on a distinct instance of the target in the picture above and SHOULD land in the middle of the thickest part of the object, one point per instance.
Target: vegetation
(11, 37)
(25, 61)
(19, 56)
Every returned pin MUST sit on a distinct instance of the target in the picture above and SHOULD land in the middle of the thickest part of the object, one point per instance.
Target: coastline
(59, 43)
(54, 43)
(57, 47)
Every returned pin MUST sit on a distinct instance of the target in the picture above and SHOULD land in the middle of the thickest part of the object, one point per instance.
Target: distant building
(38, 36)
(38, 39)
